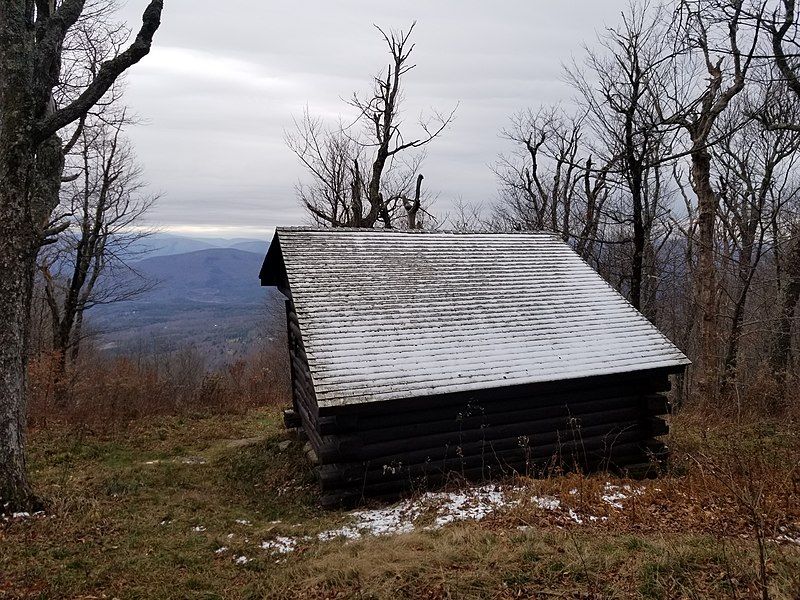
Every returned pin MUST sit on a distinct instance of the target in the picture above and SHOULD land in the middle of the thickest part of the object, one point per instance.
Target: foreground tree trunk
(17, 258)
(31, 165)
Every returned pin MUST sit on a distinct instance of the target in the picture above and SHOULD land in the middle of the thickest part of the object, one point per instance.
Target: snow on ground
(471, 504)
(434, 510)
(546, 502)
(21, 516)
(787, 536)
(613, 494)
(280, 545)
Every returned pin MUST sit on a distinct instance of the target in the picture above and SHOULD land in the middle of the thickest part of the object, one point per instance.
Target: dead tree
(31, 165)
(754, 171)
(783, 29)
(789, 296)
(413, 205)
(541, 176)
(101, 209)
(361, 172)
(713, 50)
(622, 118)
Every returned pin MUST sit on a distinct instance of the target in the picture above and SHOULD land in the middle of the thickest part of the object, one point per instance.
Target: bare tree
(539, 178)
(103, 207)
(714, 53)
(550, 181)
(614, 87)
(31, 168)
(787, 306)
(783, 32)
(755, 178)
(363, 173)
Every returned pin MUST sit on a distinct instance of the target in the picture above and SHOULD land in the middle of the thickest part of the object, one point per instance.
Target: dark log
(351, 447)
(657, 404)
(391, 490)
(455, 458)
(291, 420)
(655, 380)
(427, 424)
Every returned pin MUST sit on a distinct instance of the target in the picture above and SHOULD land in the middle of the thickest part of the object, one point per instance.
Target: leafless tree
(31, 168)
(756, 176)
(614, 87)
(365, 172)
(549, 179)
(783, 29)
(88, 263)
(713, 54)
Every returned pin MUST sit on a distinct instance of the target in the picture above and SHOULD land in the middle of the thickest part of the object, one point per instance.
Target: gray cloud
(225, 79)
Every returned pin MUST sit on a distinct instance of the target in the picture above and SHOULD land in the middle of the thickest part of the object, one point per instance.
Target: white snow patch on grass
(241, 560)
(280, 545)
(546, 502)
(613, 494)
(472, 504)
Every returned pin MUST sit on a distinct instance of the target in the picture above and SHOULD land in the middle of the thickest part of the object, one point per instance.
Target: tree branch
(106, 76)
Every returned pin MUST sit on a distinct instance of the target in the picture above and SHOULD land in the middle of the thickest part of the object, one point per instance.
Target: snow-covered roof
(387, 315)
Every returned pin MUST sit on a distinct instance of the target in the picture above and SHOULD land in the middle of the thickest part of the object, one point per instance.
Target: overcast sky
(224, 80)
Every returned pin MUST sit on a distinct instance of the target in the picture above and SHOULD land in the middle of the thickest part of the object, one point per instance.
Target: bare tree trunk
(17, 259)
(706, 273)
(639, 240)
(413, 206)
(790, 295)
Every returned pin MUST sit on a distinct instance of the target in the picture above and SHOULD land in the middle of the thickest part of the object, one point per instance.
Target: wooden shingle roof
(388, 315)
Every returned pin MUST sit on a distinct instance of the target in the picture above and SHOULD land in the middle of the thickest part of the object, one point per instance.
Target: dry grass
(124, 505)
(108, 393)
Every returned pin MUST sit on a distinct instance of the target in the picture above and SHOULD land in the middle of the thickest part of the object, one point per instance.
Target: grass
(141, 513)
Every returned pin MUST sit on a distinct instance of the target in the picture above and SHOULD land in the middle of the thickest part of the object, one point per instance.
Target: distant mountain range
(209, 298)
(164, 244)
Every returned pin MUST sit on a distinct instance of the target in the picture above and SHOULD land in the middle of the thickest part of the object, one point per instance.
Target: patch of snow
(612, 494)
(547, 502)
(241, 560)
(785, 536)
(280, 545)
(221, 550)
(472, 504)
(198, 528)
(20, 516)
(243, 522)
(575, 517)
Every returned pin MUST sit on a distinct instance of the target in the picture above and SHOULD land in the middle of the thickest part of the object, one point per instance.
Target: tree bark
(781, 352)
(17, 250)
(706, 273)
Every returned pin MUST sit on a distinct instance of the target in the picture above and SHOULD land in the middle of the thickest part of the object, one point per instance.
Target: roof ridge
(348, 230)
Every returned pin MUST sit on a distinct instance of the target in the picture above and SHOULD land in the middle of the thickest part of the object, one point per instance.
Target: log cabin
(416, 356)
